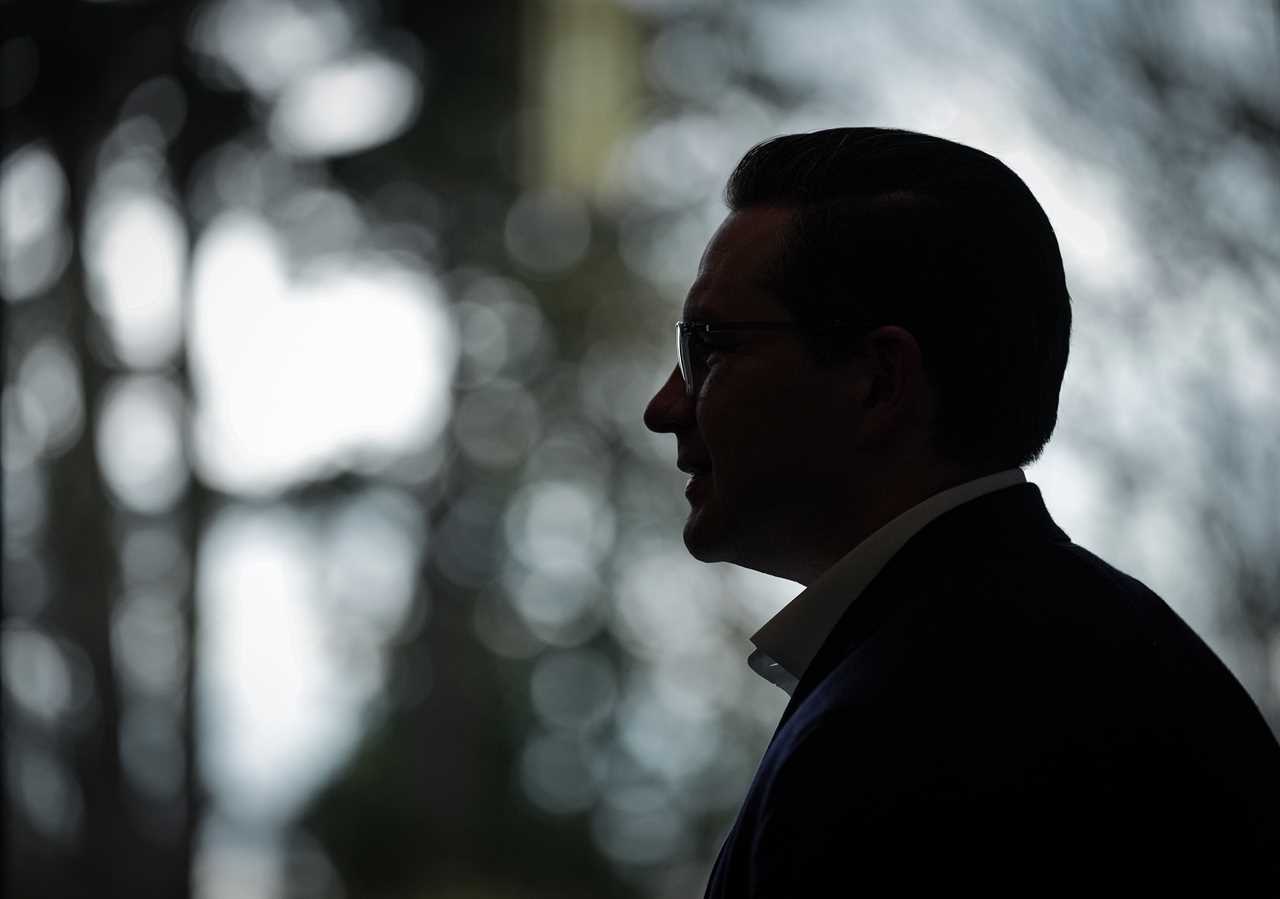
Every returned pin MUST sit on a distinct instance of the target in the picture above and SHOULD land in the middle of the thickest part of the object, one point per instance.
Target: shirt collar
(788, 641)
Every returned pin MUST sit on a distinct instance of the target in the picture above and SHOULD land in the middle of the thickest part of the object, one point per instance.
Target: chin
(704, 553)
(708, 539)
(703, 539)
(700, 548)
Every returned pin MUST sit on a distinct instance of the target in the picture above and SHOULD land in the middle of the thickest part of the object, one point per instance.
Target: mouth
(697, 487)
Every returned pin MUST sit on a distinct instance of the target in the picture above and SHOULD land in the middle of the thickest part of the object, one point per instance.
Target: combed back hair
(893, 227)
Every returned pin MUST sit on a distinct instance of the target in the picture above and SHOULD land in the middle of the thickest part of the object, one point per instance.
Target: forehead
(734, 276)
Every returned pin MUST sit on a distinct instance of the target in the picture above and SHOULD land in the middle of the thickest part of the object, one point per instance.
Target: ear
(893, 393)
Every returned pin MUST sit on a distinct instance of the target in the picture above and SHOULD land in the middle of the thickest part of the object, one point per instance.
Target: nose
(670, 409)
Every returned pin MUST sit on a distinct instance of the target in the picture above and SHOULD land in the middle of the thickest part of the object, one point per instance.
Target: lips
(697, 486)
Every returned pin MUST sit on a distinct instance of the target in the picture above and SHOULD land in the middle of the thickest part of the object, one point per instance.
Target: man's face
(768, 434)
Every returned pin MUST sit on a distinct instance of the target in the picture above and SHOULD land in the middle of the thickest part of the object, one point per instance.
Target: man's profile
(870, 354)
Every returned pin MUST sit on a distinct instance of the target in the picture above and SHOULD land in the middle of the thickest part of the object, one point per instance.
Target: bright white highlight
(135, 252)
(139, 442)
(265, 43)
(353, 365)
(295, 621)
(348, 106)
(276, 712)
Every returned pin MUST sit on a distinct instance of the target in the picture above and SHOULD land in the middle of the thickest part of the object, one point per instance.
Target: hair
(945, 241)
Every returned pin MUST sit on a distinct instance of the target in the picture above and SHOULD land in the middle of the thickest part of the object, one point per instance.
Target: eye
(715, 343)
(707, 350)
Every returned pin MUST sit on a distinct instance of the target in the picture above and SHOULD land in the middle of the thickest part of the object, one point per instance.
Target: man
(870, 354)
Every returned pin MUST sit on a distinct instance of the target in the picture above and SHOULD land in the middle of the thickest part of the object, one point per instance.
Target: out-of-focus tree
(433, 801)
(1180, 105)
(543, 694)
(188, 111)
(83, 730)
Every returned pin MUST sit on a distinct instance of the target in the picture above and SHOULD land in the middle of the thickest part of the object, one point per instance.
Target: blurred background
(337, 560)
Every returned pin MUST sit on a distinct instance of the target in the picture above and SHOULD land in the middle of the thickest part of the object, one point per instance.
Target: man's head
(951, 273)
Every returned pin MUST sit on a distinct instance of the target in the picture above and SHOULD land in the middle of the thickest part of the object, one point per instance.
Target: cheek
(755, 411)
(750, 438)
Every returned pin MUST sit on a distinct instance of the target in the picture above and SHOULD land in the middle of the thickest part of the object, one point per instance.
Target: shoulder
(1039, 665)
(1062, 615)
(1018, 698)
(1015, 658)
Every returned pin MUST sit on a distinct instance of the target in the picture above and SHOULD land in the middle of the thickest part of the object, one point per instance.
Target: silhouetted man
(871, 353)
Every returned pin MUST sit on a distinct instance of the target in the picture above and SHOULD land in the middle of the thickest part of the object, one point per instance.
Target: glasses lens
(682, 354)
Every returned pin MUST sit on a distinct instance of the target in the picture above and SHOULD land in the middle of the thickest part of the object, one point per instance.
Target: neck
(858, 514)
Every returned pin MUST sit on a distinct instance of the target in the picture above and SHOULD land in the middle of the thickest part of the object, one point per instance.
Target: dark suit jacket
(1001, 708)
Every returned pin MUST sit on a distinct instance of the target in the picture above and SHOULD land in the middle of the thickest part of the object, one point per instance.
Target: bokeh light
(141, 304)
(35, 241)
(380, 95)
(329, 327)
(46, 402)
(140, 444)
(296, 376)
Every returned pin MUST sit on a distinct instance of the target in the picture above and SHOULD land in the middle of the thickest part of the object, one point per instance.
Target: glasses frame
(686, 329)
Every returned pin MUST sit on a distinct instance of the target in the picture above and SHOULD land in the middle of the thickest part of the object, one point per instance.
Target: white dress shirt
(790, 639)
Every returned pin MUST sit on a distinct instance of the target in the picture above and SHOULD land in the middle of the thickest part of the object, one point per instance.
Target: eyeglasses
(693, 339)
